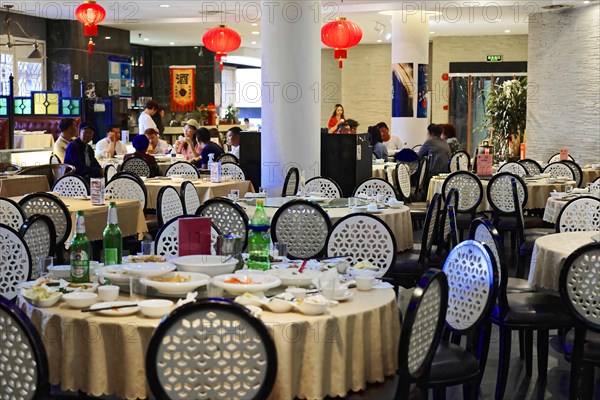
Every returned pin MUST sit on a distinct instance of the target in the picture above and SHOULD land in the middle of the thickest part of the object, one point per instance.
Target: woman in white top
(145, 120)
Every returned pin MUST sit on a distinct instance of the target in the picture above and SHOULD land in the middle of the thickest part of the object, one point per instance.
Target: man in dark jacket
(81, 155)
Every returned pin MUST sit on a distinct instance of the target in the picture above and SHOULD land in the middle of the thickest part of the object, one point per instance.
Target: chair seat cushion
(535, 310)
(407, 263)
(509, 223)
(519, 285)
(452, 363)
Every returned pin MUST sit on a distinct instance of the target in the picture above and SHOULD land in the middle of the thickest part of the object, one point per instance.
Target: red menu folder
(484, 164)
(194, 236)
(564, 154)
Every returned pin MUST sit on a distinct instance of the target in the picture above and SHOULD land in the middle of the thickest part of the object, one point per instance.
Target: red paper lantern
(445, 76)
(221, 40)
(90, 15)
(341, 35)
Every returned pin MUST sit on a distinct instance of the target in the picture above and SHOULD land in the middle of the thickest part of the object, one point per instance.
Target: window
(30, 74)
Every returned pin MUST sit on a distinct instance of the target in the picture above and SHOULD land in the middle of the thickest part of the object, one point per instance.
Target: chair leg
(520, 265)
(528, 346)
(542, 348)
(521, 344)
(503, 362)
(576, 363)
(439, 393)
(587, 382)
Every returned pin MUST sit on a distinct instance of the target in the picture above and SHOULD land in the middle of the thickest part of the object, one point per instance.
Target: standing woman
(188, 145)
(337, 116)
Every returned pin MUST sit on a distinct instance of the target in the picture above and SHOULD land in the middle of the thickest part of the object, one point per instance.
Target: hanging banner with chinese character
(183, 88)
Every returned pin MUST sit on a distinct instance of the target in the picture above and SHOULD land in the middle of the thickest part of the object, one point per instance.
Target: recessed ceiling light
(254, 24)
(172, 43)
(432, 33)
(255, 33)
(388, 36)
(164, 5)
(586, 2)
(379, 40)
(107, 37)
(146, 39)
(253, 42)
(507, 31)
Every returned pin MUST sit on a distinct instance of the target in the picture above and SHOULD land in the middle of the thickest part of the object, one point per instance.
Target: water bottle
(259, 239)
(211, 157)
(302, 185)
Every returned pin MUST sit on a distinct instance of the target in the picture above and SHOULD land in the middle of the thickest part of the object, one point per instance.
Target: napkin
(383, 285)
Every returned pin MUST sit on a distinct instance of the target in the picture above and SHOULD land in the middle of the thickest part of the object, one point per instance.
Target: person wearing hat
(189, 145)
(81, 155)
(140, 144)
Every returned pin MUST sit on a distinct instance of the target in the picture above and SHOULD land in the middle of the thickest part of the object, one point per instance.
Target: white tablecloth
(549, 254)
(33, 140)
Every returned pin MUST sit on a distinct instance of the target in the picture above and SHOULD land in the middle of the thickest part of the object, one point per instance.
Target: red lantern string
(221, 40)
(341, 35)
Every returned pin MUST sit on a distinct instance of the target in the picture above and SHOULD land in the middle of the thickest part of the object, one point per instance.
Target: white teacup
(108, 293)
(364, 282)
(298, 293)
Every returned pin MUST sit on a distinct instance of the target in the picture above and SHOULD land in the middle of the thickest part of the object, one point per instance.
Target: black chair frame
(288, 177)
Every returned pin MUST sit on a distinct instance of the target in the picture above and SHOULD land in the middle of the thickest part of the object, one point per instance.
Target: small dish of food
(41, 297)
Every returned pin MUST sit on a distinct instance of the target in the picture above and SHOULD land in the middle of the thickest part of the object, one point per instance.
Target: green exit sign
(494, 58)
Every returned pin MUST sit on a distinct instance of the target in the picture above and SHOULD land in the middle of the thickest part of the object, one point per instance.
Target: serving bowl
(155, 308)
(209, 265)
(148, 269)
(80, 299)
(192, 281)
(312, 305)
(30, 296)
(279, 305)
(242, 283)
(292, 276)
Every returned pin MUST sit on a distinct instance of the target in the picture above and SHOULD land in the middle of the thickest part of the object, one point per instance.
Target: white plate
(148, 269)
(347, 295)
(378, 211)
(179, 288)
(143, 259)
(116, 312)
(260, 283)
(114, 273)
(291, 276)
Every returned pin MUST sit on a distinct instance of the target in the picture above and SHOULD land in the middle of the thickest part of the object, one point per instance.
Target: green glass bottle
(80, 252)
(259, 239)
(112, 239)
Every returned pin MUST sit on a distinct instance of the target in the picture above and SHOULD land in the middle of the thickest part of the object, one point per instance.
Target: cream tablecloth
(379, 169)
(353, 344)
(549, 254)
(538, 192)
(397, 219)
(18, 185)
(130, 214)
(33, 140)
(589, 175)
(206, 190)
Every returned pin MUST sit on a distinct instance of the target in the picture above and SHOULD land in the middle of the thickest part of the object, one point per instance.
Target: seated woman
(449, 135)
(379, 148)
(189, 146)
(140, 144)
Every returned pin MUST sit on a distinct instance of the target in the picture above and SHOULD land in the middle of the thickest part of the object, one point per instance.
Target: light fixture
(388, 36)
(221, 40)
(255, 33)
(586, 2)
(164, 5)
(254, 24)
(146, 39)
(253, 42)
(172, 43)
(507, 31)
(379, 28)
(35, 54)
(341, 35)
(107, 37)
(379, 40)
(432, 33)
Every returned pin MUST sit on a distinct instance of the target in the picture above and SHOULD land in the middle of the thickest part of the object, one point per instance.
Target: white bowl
(49, 302)
(291, 276)
(310, 306)
(108, 293)
(196, 280)
(279, 305)
(60, 271)
(114, 273)
(148, 269)
(80, 299)
(258, 282)
(155, 308)
(298, 293)
(209, 265)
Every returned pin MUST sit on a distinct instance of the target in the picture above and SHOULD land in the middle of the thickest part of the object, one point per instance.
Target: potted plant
(505, 116)
(231, 115)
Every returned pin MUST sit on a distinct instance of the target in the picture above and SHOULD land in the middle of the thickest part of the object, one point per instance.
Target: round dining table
(538, 192)
(589, 175)
(549, 254)
(397, 219)
(354, 343)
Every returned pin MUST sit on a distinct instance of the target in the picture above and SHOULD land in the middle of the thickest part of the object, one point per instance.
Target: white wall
(563, 102)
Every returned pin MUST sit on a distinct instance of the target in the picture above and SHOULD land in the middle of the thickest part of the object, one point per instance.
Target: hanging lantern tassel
(340, 54)
(219, 58)
(91, 46)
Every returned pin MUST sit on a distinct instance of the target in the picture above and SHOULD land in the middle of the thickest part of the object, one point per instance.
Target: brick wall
(564, 69)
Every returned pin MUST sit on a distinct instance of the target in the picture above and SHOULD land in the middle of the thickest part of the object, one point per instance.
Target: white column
(410, 44)
(291, 75)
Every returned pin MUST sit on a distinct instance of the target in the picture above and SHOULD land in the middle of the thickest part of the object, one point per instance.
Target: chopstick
(108, 308)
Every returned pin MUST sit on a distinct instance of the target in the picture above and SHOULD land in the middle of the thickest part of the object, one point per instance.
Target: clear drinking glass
(43, 263)
(235, 195)
(136, 289)
(147, 247)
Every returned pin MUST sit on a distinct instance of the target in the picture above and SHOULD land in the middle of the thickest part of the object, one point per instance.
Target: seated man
(81, 156)
(343, 128)
(233, 140)
(437, 149)
(68, 132)
(392, 142)
(111, 144)
(353, 124)
(157, 146)
(140, 144)
(208, 148)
